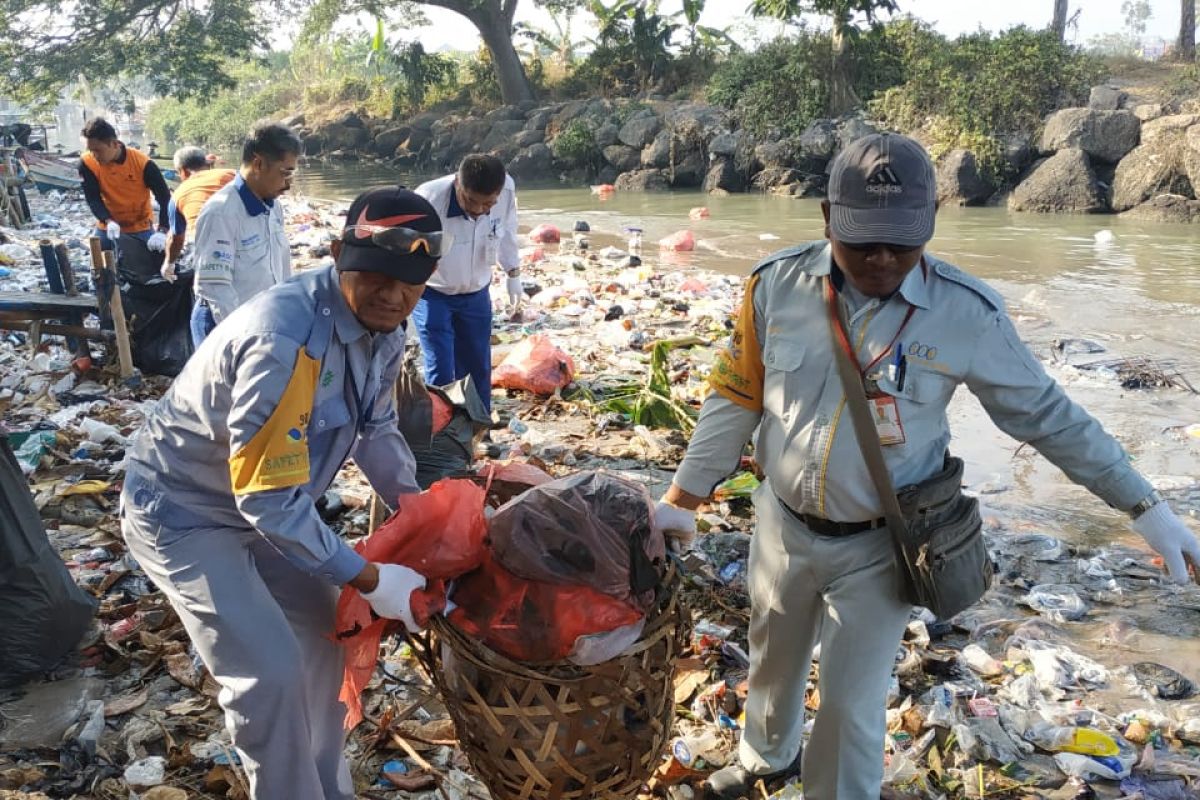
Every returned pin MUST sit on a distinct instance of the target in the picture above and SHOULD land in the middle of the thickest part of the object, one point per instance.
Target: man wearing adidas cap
(219, 502)
(821, 564)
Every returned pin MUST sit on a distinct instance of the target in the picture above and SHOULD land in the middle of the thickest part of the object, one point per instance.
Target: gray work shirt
(263, 416)
(779, 376)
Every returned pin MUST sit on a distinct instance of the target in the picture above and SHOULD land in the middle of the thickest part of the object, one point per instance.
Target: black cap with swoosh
(381, 208)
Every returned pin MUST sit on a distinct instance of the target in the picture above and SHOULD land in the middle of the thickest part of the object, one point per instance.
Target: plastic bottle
(695, 747)
(635, 241)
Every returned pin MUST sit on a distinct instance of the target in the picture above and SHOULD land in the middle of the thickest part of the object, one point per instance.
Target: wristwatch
(1146, 503)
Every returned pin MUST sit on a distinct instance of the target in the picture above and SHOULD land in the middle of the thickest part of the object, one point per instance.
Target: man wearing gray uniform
(219, 502)
(821, 559)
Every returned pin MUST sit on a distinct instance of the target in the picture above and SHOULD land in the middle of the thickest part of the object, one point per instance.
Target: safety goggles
(401, 241)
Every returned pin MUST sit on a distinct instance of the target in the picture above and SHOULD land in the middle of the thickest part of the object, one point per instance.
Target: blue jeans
(202, 322)
(106, 243)
(456, 336)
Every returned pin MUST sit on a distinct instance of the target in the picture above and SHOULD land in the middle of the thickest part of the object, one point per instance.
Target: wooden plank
(49, 328)
(45, 301)
(124, 352)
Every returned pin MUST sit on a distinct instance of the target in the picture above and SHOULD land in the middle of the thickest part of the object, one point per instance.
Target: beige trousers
(843, 592)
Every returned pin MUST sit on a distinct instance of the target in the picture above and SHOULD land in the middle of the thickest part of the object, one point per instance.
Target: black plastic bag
(159, 312)
(589, 529)
(45, 614)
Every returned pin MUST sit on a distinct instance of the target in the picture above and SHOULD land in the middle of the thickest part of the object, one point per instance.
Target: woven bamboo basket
(559, 731)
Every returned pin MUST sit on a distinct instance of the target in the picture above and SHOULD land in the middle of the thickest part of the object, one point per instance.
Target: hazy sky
(949, 16)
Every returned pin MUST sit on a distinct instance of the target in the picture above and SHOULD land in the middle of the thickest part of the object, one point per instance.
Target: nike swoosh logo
(387, 222)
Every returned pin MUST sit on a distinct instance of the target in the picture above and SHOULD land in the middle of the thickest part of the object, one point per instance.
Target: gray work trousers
(844, 592)
(262, 627)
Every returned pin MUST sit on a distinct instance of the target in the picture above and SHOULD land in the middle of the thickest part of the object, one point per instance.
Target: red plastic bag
(531, 620)
(544, 234)
(535, 365)
(440, 533)
(679, 242)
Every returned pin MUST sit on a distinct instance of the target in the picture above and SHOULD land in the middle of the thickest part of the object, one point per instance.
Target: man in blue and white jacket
(478, 207)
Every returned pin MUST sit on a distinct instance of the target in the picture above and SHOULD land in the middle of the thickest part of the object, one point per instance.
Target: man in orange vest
(117, 183)
(200, 182)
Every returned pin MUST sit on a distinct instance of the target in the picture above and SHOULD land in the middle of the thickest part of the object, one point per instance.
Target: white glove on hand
(516, 290)
(677, 524)
(1171, 539)
(392, 596)
(168, 271)
(113, 230)
(157, 242)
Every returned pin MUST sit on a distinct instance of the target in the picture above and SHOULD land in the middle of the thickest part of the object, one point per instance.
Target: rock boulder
(640, 129)
(1166, 208)
(623, 157)
(1103, 135)
(642, 180)
(1063, 183)
(959, 182)
(1153, 168)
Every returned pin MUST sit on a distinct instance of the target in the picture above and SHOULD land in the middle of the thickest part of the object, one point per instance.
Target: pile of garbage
(1063, 677)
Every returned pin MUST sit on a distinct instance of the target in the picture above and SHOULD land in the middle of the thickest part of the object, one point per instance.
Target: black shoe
(735, 781)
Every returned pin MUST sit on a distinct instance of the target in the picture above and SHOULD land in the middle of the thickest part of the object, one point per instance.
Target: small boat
(51, 174)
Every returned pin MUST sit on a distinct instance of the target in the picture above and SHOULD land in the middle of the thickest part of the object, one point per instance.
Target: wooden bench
(43, 313)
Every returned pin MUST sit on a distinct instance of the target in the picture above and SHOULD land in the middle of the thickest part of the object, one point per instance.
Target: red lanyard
(844, 340)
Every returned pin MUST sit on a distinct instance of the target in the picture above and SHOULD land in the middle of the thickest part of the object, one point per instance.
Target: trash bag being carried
(440, 534)
(589, 529)
(45, 614)
(535, 365)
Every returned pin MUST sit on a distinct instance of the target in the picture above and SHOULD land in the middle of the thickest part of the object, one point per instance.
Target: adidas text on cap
(882, 188)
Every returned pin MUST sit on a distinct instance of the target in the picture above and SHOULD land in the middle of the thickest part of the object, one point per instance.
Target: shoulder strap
(868, 438)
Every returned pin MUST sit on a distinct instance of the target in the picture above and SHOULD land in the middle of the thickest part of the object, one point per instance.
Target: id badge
(887, 420)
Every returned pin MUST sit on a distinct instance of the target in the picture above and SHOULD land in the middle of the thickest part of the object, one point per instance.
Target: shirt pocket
(921, 386)
(328, 416)
(783, 354)
(251, 248)
(783, 381)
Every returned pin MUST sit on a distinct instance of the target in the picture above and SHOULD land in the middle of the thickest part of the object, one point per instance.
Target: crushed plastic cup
(980, 661)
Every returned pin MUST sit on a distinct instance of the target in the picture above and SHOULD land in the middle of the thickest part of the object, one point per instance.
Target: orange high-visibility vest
(123, 190)
(191, 195)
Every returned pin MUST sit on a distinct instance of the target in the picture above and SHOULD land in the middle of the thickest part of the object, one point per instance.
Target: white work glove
(677, 524)
(392, 598)
(168, 271)
(516, 290)
(157, 242)
(113, 230)
(1171, 539)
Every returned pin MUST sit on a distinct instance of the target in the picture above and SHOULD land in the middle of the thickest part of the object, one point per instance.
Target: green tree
(185, 46)
(844, 31)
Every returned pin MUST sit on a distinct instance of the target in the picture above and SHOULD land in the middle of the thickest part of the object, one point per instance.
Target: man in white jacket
(241, 248)
(478, 207)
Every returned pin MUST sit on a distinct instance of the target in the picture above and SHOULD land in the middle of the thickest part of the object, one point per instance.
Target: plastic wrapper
(530, 620)
(678, 242)
(591, 529)
(545, 234)
(439, 533)
(535, 365)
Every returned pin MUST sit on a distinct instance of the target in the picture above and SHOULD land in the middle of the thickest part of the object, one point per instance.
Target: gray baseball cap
(882, 188)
